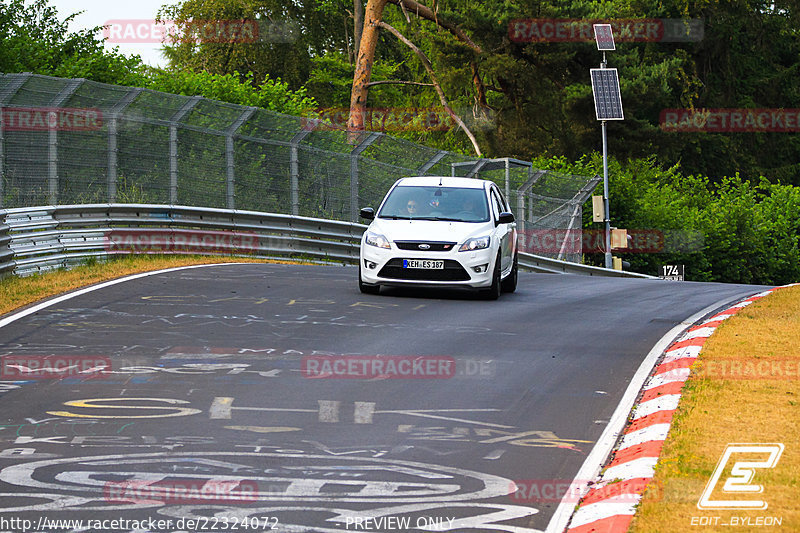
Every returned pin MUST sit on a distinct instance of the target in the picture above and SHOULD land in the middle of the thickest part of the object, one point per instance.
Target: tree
(34, 39)
(373, 20)
(289, 35)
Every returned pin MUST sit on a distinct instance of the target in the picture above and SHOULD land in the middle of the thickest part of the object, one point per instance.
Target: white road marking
(363, 412)
(597, 456)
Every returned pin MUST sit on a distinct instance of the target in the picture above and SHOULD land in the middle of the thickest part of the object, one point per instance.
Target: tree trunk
(364, 60)
(358, 25)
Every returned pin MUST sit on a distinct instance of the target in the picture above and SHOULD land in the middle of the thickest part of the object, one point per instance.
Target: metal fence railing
(37, 239)
(74, 141)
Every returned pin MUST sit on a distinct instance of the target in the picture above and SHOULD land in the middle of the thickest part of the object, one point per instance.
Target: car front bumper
(381, 266)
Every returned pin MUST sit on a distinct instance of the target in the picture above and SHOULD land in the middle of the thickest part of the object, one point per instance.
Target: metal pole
(294, 165)
(2, 156)
(113, 126)
(354, 185)
(230, 161)
(173, 146)
(52, 140)
(112, 160)
(608, 262)
(8, 92)
(52, 166)
(173, 163)
(230, 174)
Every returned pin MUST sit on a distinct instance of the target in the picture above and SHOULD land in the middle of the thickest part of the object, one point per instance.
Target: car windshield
(436, 203)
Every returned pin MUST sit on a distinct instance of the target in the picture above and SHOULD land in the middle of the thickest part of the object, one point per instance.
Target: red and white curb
(610, 504)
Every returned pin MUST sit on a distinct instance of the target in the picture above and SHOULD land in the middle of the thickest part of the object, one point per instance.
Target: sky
(130, 24)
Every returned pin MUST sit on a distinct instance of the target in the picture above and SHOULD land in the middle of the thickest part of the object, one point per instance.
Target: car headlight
(376, 239)
(476, 243)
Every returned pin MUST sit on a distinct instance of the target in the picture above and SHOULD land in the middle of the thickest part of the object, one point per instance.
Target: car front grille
(452, 271)
(433, 246)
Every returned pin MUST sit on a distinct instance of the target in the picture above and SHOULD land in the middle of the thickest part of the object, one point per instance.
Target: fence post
(114, 113)
(363, 145)
(6, 95)
(523, 214)
(173, 147)
(52, 141)
(294, 166)
(2, 156)
(508, 180)
(421, 171)
(476, 168)
(230, 181)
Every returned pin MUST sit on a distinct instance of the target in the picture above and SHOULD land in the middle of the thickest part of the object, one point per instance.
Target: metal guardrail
(36, 239)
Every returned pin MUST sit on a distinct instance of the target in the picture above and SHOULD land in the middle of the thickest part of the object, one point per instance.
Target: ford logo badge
(424, 246)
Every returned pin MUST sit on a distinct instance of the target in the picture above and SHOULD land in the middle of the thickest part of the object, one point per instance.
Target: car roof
(444, 181)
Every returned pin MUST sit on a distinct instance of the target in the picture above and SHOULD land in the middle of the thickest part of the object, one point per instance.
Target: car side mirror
(505, 218)
(367, 213)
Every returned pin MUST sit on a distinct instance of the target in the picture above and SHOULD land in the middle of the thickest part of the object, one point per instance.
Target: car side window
(497, 205)
(503, 202)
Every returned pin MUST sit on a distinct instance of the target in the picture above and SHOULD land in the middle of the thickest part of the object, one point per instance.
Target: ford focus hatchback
(440, 232)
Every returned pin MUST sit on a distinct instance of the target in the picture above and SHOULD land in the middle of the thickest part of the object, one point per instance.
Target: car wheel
(493, 292)
(510, 283)
(364, 288)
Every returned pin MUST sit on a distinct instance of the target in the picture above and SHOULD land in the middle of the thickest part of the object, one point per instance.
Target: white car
(440, 232)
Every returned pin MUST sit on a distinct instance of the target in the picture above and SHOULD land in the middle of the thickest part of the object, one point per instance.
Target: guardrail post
(52, 141)
(6, 254)
(294, 165)
(112, 141)
(173, 147)
(363, 145)
(230, 164)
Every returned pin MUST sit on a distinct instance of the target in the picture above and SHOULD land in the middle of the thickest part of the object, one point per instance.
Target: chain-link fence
(73, 141)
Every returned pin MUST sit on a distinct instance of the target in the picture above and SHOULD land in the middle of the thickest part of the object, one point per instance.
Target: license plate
(423, 263)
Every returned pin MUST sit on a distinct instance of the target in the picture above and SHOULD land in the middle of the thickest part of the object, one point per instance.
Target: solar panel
(607, 99)
(604, 36)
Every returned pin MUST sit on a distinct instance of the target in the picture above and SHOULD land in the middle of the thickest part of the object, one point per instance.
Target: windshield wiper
(396, 217)
(445, 219)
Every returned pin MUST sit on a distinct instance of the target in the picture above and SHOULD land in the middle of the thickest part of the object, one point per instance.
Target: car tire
(364, 288)
(510, 283)
(493, 292)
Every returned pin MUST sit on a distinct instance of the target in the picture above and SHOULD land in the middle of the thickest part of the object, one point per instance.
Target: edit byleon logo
(738, 489)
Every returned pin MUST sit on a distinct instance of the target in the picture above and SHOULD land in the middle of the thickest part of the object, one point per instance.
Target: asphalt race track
(224, 407)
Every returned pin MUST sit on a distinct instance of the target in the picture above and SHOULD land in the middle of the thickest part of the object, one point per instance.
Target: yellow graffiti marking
(90, 404)
(263, 429)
